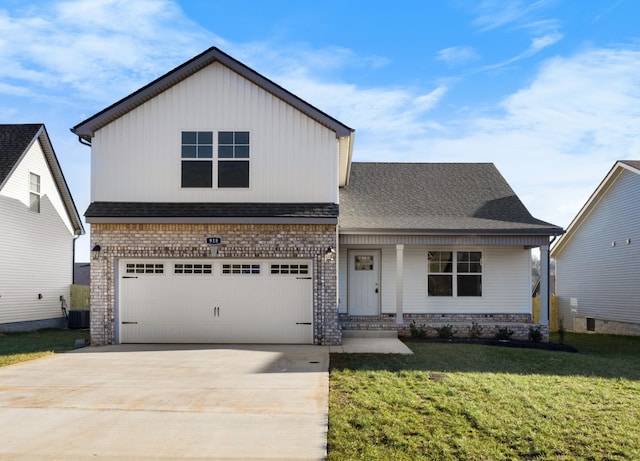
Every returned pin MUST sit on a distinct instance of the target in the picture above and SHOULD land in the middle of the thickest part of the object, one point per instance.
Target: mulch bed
(498, 342)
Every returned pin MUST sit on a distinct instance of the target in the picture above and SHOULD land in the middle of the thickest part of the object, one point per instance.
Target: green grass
(473, 402)
(19, 347)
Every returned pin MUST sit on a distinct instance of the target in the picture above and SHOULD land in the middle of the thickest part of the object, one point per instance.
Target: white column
(399, 282)
(544, 285)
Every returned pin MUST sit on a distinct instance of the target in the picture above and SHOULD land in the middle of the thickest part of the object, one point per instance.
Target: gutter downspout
(548, 269)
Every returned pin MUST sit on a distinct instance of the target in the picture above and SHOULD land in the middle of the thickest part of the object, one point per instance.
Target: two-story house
(215, 218)
(39, 224)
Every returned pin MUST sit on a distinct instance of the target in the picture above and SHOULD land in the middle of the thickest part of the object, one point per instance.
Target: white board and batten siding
(36, 249)
(506, 282)
(221, 301)
(291, 155)
(594, 278)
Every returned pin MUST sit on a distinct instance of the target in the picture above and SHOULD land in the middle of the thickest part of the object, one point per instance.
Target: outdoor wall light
(95, 252)
(330, 254)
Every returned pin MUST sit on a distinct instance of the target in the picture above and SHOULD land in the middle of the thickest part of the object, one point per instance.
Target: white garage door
(221, 301)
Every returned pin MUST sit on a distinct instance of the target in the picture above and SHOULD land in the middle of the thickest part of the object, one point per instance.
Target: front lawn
(473, 402)
(19, 347)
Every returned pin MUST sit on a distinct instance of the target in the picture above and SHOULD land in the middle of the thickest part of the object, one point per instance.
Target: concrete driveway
(167, 402)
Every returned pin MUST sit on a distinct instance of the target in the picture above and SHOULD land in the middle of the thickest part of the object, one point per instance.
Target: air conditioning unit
(78, 319)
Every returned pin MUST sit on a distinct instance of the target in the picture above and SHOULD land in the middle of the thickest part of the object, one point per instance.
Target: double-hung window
(454, 273)
(34, 192)
(197, 158)
(233, 159)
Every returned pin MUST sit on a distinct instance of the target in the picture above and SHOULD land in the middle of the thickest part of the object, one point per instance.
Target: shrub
(445, 331)
(417, 331)
(535, 334)
(475, 330)
(503, 333)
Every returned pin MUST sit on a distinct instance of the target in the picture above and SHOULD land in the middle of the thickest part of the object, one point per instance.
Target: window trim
(204, 158)
(455, 273)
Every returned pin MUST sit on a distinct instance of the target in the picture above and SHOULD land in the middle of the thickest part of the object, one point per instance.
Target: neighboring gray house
(38, 227)
(227, 209)
(598, 259)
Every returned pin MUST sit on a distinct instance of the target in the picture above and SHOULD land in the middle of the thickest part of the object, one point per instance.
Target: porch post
(544, 285)
(399, 283)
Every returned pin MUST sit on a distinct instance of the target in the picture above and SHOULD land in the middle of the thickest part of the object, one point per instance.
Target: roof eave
(87, 128)
(590, 204)
(60, 180)
(394, 231)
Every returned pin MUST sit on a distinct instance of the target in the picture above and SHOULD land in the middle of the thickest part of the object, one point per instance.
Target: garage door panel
(234, 301)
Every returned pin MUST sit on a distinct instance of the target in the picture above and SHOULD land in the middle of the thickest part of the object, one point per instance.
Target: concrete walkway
(167, 402)
(371, 342)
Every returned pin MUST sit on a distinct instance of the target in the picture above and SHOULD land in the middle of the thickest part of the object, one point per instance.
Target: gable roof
(434, 198)
(86, 129)
(15, 142)
(618, 168)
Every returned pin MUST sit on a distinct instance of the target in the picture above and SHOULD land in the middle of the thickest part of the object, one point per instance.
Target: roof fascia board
(87, 128)
(589, 206)
(60, 180)
(469, 232)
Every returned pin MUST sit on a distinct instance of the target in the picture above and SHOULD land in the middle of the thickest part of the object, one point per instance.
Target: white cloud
(97, 49)
(492, 14)
(457, 55)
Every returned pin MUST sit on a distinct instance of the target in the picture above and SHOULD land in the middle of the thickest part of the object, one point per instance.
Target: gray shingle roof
(211, 210)
(434, 198)
(14, 141)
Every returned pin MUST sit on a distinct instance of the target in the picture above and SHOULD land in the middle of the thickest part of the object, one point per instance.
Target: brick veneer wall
(119, 241)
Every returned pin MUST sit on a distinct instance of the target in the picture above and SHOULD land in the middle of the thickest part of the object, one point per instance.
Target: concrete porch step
(369, 334)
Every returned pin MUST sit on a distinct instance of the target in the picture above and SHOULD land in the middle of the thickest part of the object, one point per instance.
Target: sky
(547, 90)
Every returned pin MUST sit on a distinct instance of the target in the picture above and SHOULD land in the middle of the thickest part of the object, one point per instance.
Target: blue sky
(548, 90)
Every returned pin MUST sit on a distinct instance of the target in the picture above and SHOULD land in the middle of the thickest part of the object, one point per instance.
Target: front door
(364, 282)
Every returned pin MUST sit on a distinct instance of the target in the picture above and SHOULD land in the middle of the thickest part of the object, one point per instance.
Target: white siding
(506, 282)
(36, 249)
(604, 279)
(137, 157)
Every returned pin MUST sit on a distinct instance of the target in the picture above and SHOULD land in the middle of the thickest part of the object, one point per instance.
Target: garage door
(221, 301)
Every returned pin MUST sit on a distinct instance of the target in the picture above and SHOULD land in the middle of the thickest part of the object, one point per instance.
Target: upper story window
(458, 272)
(197, 158)
(34, 192)
(233, 159)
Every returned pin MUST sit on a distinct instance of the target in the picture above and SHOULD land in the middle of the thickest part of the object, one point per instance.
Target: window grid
(192, 269)
(197, 144)
(283, 269)
(197, 159)
(250, 269)
(144, 268)
(233, 159)
(462, 276)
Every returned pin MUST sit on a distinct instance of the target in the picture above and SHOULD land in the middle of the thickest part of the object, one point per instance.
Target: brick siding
(272, 241)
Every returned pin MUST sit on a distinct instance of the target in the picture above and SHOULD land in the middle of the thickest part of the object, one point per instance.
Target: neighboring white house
(224, 208)
(38, 227)
(597, 260)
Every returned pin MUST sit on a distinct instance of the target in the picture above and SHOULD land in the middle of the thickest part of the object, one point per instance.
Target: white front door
(364, 282)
